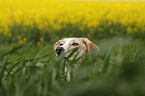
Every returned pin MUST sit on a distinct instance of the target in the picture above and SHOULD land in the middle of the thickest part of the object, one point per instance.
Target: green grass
(118, 70)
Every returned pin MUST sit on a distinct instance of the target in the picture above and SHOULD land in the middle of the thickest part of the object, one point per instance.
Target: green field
(118, 70)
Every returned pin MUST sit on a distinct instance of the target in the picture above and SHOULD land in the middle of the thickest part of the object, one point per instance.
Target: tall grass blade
(15, 49)
(3, 67)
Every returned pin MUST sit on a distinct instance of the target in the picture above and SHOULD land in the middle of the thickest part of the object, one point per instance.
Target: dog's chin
(57, 55)
(65, 58)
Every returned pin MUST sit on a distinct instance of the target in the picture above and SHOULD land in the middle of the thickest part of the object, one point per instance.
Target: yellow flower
(38, 43)
(5, 33)
(9, 34)
(18, 37)
(25, 39)
(89, 25)
(1, 30)
(82, 28)
(88, 35)
(135, 29)
(109, 23)
(99, 29)
(129, 30)
(6, 29)
(111, 30)
(143, 29)
(41, 39)
(21, 41)
(91, 29)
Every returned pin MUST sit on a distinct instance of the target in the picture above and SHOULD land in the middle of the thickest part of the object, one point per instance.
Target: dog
(83, 45)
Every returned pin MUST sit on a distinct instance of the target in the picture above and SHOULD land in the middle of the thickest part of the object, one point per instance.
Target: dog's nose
(59, 50)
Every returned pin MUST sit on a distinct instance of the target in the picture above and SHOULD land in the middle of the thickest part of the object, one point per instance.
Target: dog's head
(83, 44)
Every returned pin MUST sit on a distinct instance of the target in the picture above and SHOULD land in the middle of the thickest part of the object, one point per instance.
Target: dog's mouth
(69, 56)
(58, 54)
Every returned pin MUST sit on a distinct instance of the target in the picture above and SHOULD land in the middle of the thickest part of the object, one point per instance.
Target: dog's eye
(75, 44)
(60, 44)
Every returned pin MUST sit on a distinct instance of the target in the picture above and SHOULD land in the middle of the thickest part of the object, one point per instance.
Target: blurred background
(47, 21)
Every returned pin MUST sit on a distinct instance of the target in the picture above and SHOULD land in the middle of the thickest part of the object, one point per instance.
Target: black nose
(59, 50)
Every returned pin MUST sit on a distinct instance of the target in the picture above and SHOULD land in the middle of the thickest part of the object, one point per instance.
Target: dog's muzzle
(60, 50)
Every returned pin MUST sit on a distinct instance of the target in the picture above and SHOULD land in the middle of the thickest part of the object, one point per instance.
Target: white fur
(67, 43)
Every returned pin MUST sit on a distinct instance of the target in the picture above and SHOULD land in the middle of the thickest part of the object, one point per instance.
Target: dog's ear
(90, 46)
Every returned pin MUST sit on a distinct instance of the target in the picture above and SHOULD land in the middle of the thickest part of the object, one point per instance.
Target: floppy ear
(90, 46)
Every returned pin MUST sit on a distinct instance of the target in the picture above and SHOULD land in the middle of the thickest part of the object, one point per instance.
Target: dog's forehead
(70, 40)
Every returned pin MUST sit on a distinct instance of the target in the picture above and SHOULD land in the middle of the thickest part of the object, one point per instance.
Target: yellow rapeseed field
(56, 15)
